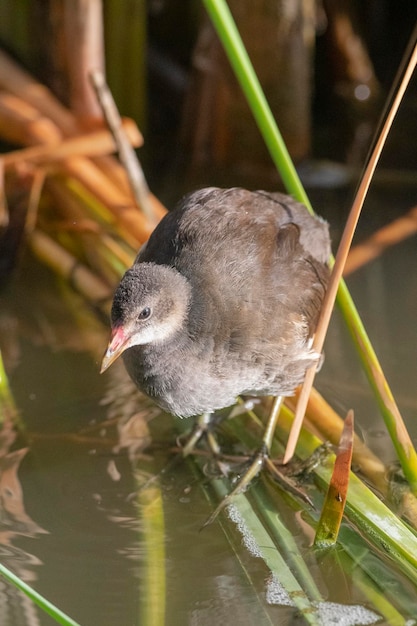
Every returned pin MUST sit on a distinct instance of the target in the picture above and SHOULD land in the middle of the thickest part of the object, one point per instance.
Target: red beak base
(117, 344)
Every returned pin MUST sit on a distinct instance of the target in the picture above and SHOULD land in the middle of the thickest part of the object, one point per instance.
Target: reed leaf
(364, 509)
(59, 616)
(242, 513)
(334, 504)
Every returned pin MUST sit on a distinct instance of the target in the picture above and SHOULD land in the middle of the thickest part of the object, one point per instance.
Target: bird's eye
(145, 313)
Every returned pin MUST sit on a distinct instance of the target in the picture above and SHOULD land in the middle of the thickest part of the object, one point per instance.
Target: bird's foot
(292, 476)
(257, 463)
(301, 468)
(288, 480)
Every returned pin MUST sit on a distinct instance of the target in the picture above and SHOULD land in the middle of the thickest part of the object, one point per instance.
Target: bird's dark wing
(246, 256)
(314, 231)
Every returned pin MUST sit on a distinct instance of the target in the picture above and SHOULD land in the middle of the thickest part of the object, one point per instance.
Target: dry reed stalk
(75, 206)
(126, 258)
(117, 174)
(97, 256)
(120, 204)
(94, 143)
(83, 24)
(370, 249)
(404, 447)
(66, 265)
(99, 182)
(21, 123)
(125, 151)
(106, 255)
(36, 188)
(20, 83)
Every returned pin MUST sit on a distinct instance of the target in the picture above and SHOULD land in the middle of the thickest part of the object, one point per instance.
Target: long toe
(253, 470)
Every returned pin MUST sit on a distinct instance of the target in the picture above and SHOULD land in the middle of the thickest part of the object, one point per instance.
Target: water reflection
(83, 449)
(15, 607)
(14, 520)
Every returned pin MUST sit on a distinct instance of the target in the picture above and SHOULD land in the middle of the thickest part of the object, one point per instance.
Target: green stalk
(283, 540)
(153, 528)
(8, 409)
(284, 561)
(226, 29)
(44, 604)
(276, 559)
(393, 421)
(378, 600)
(5, 393)
(239, 59)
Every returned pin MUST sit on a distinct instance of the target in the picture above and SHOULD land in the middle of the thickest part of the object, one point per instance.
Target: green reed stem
(7, 403)
(226, 29)
(44, 604)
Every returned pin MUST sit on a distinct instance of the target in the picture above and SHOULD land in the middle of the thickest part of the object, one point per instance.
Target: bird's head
(150, 306)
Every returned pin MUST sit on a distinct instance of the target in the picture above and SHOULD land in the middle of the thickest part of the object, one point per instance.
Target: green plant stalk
(8, 409)
(44, 604)
(212, 496)
(239, 59)
(296, 589)
(152, 525)
(393, 421)
(226, 29)
(379, 601)
(276, 562)
(284, 539)
(359, 562)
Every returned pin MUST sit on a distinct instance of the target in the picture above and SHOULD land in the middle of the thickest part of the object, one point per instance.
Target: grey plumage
(223, 300)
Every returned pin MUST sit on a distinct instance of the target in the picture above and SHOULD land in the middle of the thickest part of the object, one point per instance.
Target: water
(76, 531)
(73, 524)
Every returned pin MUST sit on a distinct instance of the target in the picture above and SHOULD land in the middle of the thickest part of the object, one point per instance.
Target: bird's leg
(257, 462)
(201, 427)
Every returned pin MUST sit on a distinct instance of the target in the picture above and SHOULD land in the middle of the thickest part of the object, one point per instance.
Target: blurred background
(326, 67)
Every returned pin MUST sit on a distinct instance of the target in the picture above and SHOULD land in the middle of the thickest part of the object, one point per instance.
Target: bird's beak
(118, 343)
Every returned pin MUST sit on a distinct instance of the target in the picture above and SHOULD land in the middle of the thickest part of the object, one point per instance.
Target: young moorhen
(222, 301)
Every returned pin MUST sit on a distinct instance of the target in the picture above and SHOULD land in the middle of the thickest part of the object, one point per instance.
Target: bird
(222, 301)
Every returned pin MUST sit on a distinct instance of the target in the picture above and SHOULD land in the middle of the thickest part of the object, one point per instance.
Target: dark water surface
(73, 524)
